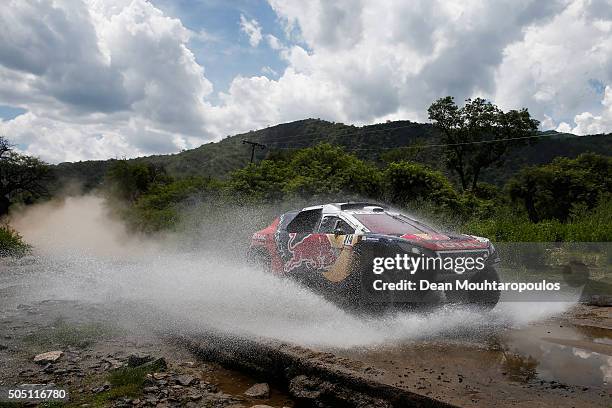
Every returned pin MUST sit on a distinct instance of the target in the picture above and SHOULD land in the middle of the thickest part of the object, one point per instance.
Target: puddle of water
(236, 383)
(571, 355)
(580, 356)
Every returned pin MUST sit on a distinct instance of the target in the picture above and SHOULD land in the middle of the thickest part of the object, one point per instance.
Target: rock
(303, 387)
(261, 390)
(195, 397)
(135, 360)
(3, 347)
(261, 406)
(48, 357)
(186, 380)
(150, 390)
(113, 362)
(600, 300)
(98, 390)
(156, 365)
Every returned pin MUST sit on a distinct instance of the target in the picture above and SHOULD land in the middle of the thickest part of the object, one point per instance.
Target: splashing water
(83, 255)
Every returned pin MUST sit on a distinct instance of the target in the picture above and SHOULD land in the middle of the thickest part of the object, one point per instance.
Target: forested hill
(385, 141)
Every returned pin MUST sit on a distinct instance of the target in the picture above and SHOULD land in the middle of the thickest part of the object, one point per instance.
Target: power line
(437, 145)
(253, 145)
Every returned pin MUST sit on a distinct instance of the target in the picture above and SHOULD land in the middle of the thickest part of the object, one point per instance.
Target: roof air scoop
(373, 208)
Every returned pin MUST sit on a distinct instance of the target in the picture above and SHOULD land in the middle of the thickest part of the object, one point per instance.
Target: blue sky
(227, 53)
(10, 112)
(90, 79)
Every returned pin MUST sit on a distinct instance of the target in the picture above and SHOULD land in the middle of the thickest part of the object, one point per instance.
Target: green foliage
(376, 143)
(11, 243)
(128, 180)
(507, 225)
(126, 382)
(405, 182)
(22, 178)
(478, 135)
(326, 170)
(262, 182)
(318, 171)
(67, 334)
(555, 190)
(160, 207)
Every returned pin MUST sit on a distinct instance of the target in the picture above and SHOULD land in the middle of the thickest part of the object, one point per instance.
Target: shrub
(406, 182)
(553, 190)
(11, 243)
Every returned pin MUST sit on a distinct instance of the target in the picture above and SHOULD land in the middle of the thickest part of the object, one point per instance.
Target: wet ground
(561, 361)
(558, 361)
(94, 347)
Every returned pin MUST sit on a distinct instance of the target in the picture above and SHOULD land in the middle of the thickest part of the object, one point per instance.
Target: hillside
(375, 142)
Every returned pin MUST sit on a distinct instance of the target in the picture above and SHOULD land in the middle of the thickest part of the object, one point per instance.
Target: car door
(339, 234)
(303, 248)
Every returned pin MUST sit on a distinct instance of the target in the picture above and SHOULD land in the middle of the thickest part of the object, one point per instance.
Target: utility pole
(253, 146)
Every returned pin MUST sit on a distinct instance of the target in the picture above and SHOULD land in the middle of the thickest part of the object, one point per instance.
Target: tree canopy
(554, 190)
(22, 177)
(478, 135)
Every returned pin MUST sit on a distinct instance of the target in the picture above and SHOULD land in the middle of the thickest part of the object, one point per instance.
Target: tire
(485, 300)
(259, 259)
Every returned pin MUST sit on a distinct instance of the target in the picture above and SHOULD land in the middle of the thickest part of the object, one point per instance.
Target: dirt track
(463, 374)
(559, 362)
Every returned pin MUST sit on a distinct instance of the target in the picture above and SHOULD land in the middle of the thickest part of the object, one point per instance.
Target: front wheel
(483, 299)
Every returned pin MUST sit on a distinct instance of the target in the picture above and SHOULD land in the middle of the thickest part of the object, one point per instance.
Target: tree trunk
(475, 179)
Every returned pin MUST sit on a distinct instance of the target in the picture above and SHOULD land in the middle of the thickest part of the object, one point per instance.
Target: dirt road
(563, 360)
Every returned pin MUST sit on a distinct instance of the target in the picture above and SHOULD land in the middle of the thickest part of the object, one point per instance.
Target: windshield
(385, 223)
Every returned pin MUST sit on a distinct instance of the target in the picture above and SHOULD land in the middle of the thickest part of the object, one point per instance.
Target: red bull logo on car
(313, 251)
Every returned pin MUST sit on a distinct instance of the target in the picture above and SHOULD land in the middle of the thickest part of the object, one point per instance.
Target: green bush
(161, 206)
(320, 171)
(508, 225)
(553, 191)
(405, 182)
(11, 243)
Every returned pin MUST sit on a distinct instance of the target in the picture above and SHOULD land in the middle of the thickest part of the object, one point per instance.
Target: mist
(83, 253)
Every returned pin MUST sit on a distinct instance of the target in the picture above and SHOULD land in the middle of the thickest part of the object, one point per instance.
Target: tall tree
(21, 176)
(478, 135)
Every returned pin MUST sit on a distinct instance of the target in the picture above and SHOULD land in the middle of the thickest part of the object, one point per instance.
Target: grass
(64, 334)
(126, 382)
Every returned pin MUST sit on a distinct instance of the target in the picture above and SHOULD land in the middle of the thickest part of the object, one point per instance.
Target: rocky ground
(106, 359)
(101, 364)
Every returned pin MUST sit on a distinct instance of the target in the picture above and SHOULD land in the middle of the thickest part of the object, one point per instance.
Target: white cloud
(588, 123)
(269, 71)
(252, 29)
(104, 78)
(274, 42)
(99, 79)
(552, 69)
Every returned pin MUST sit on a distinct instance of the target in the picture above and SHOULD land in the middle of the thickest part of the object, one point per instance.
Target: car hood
(447, 242)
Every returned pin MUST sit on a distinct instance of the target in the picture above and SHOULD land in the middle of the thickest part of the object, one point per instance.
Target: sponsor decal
(313, 251)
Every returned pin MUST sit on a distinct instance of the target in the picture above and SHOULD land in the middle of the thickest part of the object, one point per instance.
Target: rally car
(332, 248)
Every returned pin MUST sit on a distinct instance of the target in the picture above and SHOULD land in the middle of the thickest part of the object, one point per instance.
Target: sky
(98, 79)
